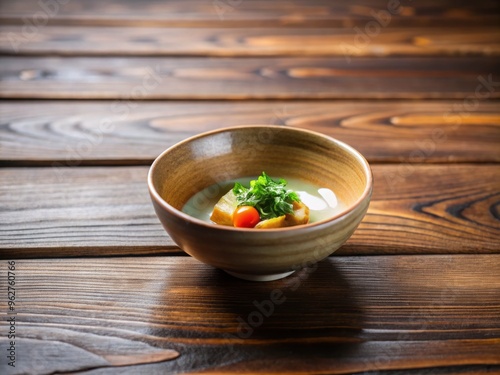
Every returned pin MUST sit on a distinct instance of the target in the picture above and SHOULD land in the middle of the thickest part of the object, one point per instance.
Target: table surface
(93, 91)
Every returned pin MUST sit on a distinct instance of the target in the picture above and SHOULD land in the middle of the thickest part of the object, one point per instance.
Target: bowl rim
(366, 192)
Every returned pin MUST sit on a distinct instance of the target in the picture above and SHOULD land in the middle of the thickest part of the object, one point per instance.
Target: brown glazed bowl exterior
(226, 154)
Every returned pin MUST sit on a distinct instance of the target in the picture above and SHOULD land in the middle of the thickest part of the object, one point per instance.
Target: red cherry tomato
(246, 217)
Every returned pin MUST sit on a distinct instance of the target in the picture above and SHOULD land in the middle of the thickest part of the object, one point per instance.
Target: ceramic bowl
(213, 158)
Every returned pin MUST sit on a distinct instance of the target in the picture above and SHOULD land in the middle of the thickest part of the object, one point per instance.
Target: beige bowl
(218, 156)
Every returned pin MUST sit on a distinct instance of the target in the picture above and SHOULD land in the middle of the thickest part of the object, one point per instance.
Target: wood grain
(249, 78)
(414, 99)
(416, 209)
(77, 133)
(346, 315)
(251, 13)
(345, 42)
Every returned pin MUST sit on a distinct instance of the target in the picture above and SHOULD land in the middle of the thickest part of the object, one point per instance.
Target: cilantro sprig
(271, 198)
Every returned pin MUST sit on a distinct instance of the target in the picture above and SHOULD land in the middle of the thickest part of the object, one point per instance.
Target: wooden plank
(76, 134)
(78, 211)
(249, 78)
(250, 13)
(348, 42)
(416, 209)
(346, 315)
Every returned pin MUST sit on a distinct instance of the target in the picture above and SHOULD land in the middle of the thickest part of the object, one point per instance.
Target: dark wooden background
(92, 91)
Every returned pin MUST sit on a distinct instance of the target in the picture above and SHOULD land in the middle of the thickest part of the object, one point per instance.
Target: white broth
(322, 202)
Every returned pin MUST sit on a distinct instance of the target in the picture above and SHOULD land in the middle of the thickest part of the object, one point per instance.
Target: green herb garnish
(269, 197)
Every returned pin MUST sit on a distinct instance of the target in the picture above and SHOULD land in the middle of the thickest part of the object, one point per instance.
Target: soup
(322, 202)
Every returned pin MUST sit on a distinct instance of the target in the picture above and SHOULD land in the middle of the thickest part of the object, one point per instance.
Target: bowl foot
(252, 277)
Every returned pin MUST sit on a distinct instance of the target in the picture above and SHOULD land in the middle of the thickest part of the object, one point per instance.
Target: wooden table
(92, 91)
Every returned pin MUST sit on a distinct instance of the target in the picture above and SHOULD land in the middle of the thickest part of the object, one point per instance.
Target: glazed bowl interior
(228, 154)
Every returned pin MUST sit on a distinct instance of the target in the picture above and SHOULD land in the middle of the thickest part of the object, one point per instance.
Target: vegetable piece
(223, 211)
(245, 217)
(275, 222)
(269, 197)
(300, 215)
